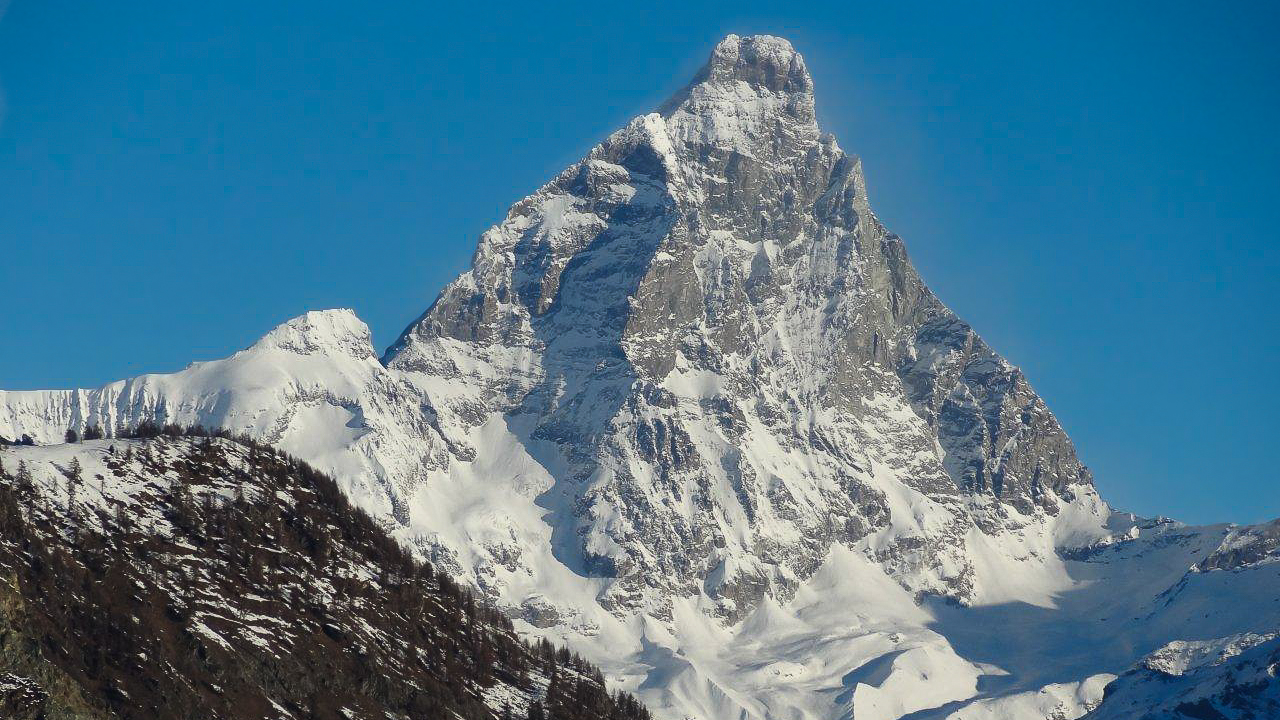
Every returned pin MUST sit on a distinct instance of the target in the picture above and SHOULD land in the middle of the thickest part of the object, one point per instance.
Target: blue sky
(1092, 186)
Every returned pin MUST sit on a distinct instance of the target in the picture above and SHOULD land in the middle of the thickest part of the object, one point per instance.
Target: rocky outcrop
(1229, 678)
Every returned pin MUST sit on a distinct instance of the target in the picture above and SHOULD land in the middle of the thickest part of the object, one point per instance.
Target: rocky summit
(693, 412)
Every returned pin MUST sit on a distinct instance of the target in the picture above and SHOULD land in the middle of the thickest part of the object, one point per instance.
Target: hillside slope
(1231, 678)
(190, 577)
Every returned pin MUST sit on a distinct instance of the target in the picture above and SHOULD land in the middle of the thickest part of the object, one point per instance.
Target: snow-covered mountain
(693, 411)
(1230, 678)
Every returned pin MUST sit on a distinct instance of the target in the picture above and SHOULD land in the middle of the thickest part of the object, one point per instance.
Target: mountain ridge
(685, 385)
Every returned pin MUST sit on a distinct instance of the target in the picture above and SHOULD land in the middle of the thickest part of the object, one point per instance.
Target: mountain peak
(761, 60)
(748, 71)
(321, 331)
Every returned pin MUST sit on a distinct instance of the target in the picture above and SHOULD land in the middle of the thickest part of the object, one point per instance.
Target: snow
(1232, 677)
(1180, 656)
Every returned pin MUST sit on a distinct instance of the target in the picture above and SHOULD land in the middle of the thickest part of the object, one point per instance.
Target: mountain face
(188, 577)
(730, 362)
(1225, 679)
(693, 412)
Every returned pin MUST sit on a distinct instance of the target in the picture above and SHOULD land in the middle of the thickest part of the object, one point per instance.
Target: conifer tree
(73, 483)
(23, 479)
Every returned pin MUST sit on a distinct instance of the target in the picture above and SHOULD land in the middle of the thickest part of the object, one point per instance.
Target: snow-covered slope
(313, 386)
(206, 578)
(693, 411)
(1230, 678)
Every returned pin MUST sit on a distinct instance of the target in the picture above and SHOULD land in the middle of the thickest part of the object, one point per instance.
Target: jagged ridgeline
(178, 575)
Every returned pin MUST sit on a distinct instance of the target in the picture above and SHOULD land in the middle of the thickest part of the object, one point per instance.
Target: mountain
(203, 577)
(1230, 678)
(693, 412)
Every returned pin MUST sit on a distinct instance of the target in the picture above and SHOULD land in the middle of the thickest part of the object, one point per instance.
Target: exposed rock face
(1244, 547)
(721, 345)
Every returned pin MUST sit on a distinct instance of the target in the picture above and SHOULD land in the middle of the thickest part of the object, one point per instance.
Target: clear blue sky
(1093, 186)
